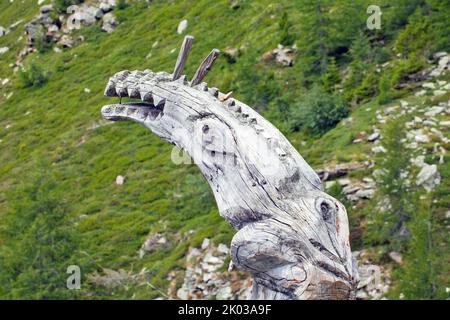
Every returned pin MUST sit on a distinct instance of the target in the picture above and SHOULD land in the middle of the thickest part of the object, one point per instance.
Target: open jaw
(136, 111)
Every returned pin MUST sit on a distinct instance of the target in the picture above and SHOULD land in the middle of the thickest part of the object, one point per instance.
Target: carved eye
(325, 208)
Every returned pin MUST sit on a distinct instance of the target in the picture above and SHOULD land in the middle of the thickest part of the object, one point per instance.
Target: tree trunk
(291, 236)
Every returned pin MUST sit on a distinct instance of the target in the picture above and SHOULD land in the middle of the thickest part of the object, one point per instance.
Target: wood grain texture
(205, 66)
(182, 57)
(291, 236)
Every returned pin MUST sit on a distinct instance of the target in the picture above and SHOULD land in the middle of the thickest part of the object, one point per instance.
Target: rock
(205, 243)
(433, 111)
(82, 15)
(442, 65)
(105, 7)
(224, 293)
(182, 293)
(428, 85)
(417, 120)
(437, 93)
(4, 50)
(429, 123)
(428, 177)
(46, 9)
(66, 41)
(444, 123)
(222, 248)
(282, 55)
(210, 259)
(379, 149)
(404, 103)
(418, 136)
(182, 26)
(154, 242)
(5, 81)
(420, 93)
(396, 257)
(419, 161)
(439, 54)
(109, 22)
(87, 90)
(364, 194)
(120, 180)
(422, 138)
(344, 182)
(389, 110)
(374, 136)
(3, 31)
(339, 170)
(203, 278)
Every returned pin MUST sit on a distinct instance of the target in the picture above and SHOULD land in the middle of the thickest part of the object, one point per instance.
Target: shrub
(121, 4)
(34, 76)
(319, 111)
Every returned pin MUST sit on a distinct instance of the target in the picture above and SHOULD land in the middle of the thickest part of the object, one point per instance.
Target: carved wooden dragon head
(292, 236)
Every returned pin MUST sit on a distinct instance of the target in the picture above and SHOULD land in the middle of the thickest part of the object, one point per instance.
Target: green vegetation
(59, 204)
(34, 76)
(317, 111)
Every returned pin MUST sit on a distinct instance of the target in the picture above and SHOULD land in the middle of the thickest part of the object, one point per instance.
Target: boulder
(428, 177)
(339, 170)
(3, 31)
(109, 22)
(182, 26)
(373, 137)
(120, 180)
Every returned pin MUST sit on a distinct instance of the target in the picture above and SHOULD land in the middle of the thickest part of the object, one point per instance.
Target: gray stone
(379, 149)
(182, 26)
(374, 136)
(428, 85)
(120, 180)
(428, 177)
(205, 243)
(109, 22)
(3, 31)
(396, 257)
(46, 9)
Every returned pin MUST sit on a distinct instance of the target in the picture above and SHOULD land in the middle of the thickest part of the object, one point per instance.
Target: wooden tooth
(214, 92)
(226, 96)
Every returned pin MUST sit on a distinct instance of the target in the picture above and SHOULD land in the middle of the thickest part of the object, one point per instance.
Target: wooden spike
(225, 97)
(205, 66)
(182, 56)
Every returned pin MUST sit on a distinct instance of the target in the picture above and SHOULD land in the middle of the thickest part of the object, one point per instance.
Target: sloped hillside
(78, 190)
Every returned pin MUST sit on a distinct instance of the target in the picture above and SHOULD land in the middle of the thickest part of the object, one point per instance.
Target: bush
(318, 111)
(121, 4)
(35, 76)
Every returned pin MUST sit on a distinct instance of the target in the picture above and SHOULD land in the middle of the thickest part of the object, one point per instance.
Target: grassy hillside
(60, 205)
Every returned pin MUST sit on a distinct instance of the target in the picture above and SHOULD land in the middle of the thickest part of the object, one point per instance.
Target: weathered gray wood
(204, 67)
(291, 236)
(182, 56)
